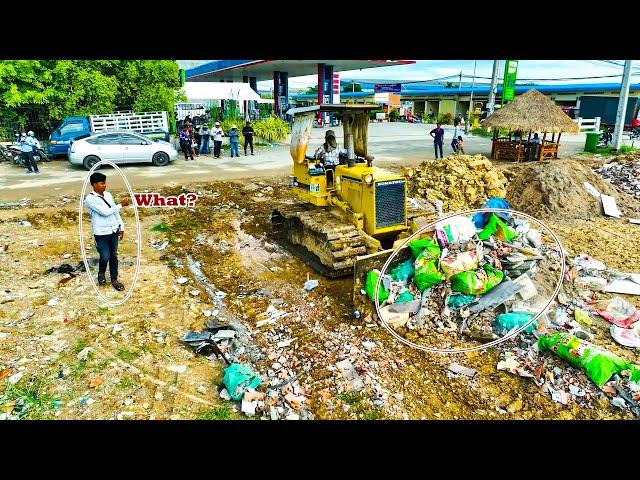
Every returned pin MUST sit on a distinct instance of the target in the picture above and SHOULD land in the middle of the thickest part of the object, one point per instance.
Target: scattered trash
(195, 293)
(95, 382)
(629, 337)
(582, 317)
(4, 373)
(459, 369)
(622, 286)
(511, 364)
(84, 353)
(182, 280)
(310, 285)
(238, 378)
(620, 312)
(593, 191)
(66, 268)
(53, 302)
(350, 374)
(177, 368)
(513, 320)
(599, 365)
(609, 205)
(160, 246)
(24, 223)
(116, 328)
(15, 378)
(224, 394)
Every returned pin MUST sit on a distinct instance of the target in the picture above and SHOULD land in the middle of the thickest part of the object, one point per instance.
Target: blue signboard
(387, 87)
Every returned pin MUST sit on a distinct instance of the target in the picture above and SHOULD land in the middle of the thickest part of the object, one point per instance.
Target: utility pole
(494, 87)
(473, 81)
(455, 108)
(622, 105)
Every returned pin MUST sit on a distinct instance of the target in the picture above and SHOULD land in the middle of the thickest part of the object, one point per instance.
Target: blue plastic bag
(516, 319)
(238, 378)
(481, 219)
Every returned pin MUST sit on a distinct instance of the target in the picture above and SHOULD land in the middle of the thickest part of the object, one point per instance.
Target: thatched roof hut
(531, 112)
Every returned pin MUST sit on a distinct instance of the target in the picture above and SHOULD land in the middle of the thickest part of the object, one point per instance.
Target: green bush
(372, 113)
(394, 114)
(481, 132)
(271, 130)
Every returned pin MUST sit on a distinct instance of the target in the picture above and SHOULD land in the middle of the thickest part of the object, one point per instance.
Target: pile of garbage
(471, 278)
(625, 176)
(555, 190)
(460, 182)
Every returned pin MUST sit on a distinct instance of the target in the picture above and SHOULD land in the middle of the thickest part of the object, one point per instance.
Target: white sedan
(120, 147)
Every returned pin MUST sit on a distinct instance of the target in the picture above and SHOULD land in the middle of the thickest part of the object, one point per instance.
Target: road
(390, 143)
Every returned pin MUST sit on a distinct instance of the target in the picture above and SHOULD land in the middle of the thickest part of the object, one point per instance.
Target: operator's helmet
(330, 138)
(30, 133)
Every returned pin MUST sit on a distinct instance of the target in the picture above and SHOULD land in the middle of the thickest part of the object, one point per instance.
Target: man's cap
(330, 133)
(217, 124)
(97, 177)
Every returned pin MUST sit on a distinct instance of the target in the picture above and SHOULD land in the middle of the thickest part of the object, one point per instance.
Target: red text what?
(157, 200)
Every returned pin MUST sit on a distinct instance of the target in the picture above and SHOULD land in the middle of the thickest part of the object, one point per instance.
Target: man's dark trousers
(436, 146)
(107, 246)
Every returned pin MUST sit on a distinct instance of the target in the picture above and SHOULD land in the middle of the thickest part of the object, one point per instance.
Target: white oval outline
(139, 233)
(485, 345)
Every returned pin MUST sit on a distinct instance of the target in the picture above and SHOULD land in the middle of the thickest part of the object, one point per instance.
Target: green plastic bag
(427, 273)
(405, 297)
(403, 272)
(425, 245)
(457, 301)
(516, 319)
(598, 364)
(370, 285)
(238, 378)
(476, 282)
(497, 228)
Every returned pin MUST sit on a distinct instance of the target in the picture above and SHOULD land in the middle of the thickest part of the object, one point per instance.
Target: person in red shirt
(635, 123)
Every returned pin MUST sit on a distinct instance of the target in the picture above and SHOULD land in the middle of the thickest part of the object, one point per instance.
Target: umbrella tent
(529, 112)
(532, 111)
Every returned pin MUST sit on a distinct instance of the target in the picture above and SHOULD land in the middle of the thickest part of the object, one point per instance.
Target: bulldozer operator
(330, 152)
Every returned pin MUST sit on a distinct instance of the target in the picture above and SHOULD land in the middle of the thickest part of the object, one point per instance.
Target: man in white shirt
(218, 133)
(457, 132)
(107, 227)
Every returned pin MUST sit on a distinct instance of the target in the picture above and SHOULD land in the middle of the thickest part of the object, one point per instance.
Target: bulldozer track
(328, 243)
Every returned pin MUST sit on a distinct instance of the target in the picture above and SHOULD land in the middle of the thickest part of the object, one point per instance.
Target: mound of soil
(461, 182)
(555, 190)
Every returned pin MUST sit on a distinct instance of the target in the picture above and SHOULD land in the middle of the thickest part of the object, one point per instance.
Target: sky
(527, 69)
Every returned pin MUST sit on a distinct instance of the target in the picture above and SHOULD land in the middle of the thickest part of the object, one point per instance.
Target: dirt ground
(137, 367)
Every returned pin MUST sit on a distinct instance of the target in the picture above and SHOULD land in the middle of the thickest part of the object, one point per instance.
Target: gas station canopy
(235, 70)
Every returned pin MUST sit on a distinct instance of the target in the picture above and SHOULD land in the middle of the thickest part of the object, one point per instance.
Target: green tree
(54, 89)
(312, 90)
(353, 87)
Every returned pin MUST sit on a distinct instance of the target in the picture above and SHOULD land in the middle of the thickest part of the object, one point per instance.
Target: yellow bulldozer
(349, 211)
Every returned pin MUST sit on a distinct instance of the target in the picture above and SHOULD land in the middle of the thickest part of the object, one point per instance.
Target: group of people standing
(189, 143)
(457, 143)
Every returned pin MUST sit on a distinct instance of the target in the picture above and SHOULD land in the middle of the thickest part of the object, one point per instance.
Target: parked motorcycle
(606, 137)
(14, 155)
